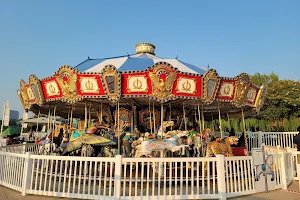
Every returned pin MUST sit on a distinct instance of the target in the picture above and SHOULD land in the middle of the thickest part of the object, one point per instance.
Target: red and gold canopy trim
(90, 85)
(163, 76)
(188, 86)
(111, 80)
(226, 90)
(136, 84)
(36, 89)
(51, 89)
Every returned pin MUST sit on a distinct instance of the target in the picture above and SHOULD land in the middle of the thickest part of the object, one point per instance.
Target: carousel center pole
(244, 127)
(150, 117)
(220, 121)
(119, 142)
(89, 124)
(131, 121)
(161, 118)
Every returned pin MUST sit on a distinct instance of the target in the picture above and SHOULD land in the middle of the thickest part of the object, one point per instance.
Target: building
(14, 115)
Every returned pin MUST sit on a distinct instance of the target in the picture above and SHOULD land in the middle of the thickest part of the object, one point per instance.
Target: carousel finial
(144, 48)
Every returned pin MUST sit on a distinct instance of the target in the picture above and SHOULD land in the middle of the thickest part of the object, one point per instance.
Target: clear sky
(37, 37)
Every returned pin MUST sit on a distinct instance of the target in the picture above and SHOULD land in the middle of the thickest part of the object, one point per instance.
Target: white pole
(85, 115)
(170, 118)
(154, 119)
(3, 118)
(220, 121)
(101, 113)
(37, 123)
(89, 115)
(150, 117)
(199, 115)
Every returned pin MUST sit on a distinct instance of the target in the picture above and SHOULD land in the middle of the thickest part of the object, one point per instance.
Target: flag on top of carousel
(137, 62)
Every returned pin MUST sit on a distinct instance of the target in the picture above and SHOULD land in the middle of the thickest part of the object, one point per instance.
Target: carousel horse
(126, 147)
(109, 151)
(162, 129)
(148, 147)
(87, 150)
(221, 147)
(47, 148)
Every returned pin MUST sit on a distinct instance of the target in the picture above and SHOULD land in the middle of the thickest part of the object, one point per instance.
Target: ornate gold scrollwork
(67, 80)
(243, 83)
(137, 84)
(211, 81)
(260, 97)
(111, 80)
(162, 87)
(23, 95)
(186, 86)
(36, 88)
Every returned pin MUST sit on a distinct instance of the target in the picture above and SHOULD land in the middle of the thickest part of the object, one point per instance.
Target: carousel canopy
(136, 80)
(136, 62)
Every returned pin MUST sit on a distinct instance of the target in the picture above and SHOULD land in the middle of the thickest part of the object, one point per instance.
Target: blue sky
(37, 37)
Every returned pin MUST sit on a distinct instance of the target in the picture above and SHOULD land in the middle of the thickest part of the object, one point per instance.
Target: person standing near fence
(297, 143)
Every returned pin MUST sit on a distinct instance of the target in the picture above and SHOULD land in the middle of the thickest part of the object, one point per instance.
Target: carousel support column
(184, 117)
(229, 126)
(37, 123)
(134, 117)
(131, 121)
(220, 120)
(199, 122)
(244, 127)
(213, 123)
(71, 119)
(119, 138)
(154, 120)
(101, 113)
(161, 118)
(202, 118)
(150, 117)
(85, 115)
(90, 107)
(53, 130)
(170, 118)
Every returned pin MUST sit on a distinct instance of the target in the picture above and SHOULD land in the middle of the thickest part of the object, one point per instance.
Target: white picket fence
(22, 169)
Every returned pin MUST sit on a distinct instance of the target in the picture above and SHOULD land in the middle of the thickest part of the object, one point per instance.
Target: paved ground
(8, 194)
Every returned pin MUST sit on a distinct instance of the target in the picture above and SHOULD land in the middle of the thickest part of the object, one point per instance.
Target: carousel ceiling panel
(90, 85)
(226, 90)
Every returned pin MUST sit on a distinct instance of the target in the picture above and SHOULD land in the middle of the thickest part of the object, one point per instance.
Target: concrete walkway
(8, 194)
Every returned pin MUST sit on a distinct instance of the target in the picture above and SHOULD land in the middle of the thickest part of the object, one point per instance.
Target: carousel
(138, 105)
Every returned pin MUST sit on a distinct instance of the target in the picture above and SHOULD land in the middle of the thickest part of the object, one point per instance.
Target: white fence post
(260, 139)
(118, 174)
(26, 173)
(282, 166)
(221, 176)
(24, 147)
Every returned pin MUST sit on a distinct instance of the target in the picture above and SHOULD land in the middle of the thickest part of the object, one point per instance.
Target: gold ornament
(186, 86)
(112, 81)
(162, 89)
(211, 81)
(67, 80)
(89, 85)
(36, 88)
(242, 86)
(137, 84)
(23, 95)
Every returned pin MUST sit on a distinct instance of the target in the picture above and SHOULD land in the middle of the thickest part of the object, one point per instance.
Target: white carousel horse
(265, 169)
(46, 149)
(147, 147)
(162, 129)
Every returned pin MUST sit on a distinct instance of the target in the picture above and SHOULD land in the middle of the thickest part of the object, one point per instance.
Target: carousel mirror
(210, 87)
(110, 81)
